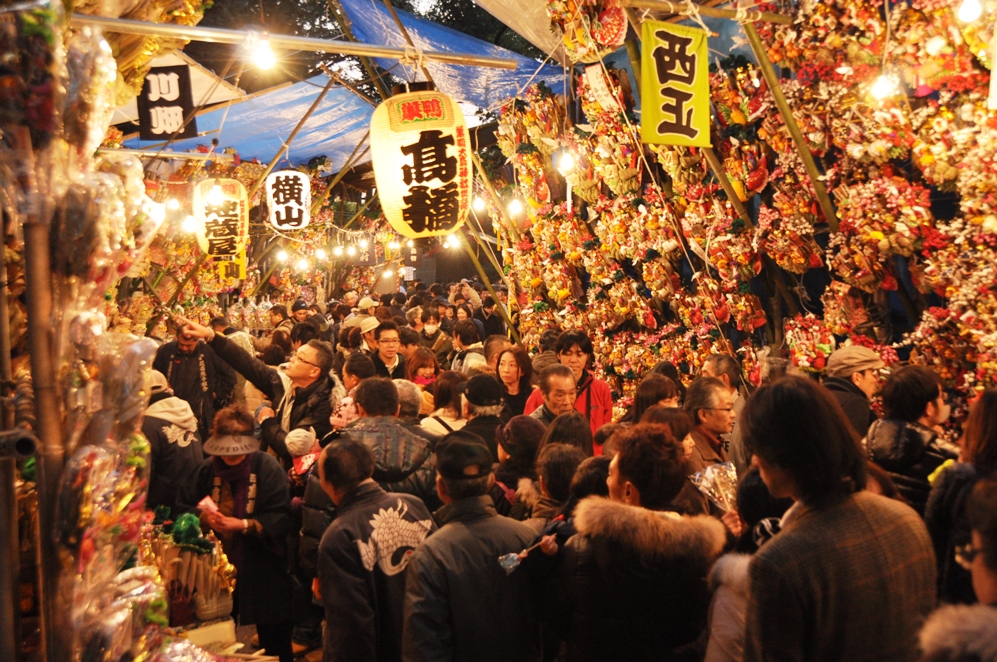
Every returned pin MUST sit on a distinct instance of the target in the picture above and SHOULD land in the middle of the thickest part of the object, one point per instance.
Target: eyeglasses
(297, 357)
(966, 554)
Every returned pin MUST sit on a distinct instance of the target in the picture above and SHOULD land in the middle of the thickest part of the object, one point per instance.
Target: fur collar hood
(960, 632)
(731, 570)
(648, 534)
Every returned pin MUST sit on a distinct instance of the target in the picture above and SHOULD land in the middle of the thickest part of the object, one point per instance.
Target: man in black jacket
(302, 392)
(171, 428)
(388, 361)
(853, 379)
(363, 556)
(460, 604)
(197, 376)
(481, 398)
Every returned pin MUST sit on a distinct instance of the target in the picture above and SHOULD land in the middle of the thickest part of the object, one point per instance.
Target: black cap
(462, 455)
(482, 391)
(299, 305)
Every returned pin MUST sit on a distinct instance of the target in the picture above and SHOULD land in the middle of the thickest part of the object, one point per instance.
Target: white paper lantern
(289, 199)
(221, 213)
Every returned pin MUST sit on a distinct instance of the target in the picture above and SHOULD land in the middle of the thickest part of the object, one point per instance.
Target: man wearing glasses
(712, 408)
(388, 362)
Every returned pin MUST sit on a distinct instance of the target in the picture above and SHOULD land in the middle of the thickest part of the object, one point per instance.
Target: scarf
(238, 479)
(424, 381)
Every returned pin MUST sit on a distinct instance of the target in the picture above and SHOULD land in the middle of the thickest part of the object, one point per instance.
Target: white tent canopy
(201, 80)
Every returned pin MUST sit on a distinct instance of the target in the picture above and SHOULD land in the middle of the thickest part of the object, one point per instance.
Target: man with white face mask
(906, 443)
(433, 338)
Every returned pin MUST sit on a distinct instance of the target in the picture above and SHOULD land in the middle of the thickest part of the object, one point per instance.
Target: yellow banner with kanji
(674, 85)
(234, 269)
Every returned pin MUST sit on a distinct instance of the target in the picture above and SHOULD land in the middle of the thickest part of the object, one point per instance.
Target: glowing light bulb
(320, 254)
(157, 212)
(173, 204)
(337, 251)
(970, 10)
(410, 243)
(478, 204)
(302, 264)
(885, 86)
(351, 251)
(388, 273)
(394, 245)
(215, 196)
(452, 241)
(262, 54)
(189, 224)
(282, 256)
(515, 207)
(566, 164)
(363, 243)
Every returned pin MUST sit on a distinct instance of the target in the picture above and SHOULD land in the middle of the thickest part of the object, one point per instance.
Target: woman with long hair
(422, 369)
(945, 514)
(571, 429)
(652, 390)
(515, 373)
(252, 520)
(446, 397)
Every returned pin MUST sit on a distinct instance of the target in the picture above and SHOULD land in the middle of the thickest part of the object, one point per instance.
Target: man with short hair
(493, 347)
(196, 375)
(410, 340)
(414, 318)
(363, 556)
(403, 461)
(302, 391)
(302, 334)
(905, 442)
(490, 317)
(481, 405)
(725, 368)
(470, 352)
(460, 604)
(853, 380)
(280, 319)
(559, 390)
(388, 362)
(409, 406)
(433, 337)
(709, 402)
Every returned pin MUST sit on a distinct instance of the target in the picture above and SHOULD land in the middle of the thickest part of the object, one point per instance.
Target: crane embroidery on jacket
(392, 533)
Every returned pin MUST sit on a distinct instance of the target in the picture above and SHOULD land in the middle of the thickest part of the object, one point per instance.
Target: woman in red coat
(594, 401)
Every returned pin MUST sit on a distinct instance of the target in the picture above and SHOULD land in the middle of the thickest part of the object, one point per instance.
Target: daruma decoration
(221, 211)
(422, 164)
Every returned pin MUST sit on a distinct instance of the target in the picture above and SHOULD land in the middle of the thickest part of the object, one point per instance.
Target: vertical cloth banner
(165, 102)
(675, 85)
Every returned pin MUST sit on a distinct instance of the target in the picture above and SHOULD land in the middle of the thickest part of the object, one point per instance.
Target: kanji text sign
(675, 85)
(421, 152)
(165, 102)
(289, 199)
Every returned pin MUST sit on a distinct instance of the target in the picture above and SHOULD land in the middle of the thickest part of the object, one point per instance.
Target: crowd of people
(397, 480)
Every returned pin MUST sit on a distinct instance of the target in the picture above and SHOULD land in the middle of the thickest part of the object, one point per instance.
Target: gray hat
(369, 324)
(846, 361)
(157, 382)
(231, 445)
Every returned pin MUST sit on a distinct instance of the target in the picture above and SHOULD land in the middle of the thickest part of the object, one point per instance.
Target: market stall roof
(201, 81)
(258, 127)
(485, 88)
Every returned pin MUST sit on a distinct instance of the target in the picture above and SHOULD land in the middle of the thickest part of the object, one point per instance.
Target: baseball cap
(367, 302)
(846, 361)
(299, 305)
(157, 382)
(482, 390)
(369, 324)
(462, 455)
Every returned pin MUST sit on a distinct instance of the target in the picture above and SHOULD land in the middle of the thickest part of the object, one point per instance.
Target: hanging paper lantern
(221, 212)
(289, 199)
(422, 164)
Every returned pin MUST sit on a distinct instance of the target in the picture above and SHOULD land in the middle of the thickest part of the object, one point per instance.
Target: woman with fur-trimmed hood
(634, 577)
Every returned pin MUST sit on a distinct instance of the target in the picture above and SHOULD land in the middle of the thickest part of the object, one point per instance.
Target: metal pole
(488, 284)
(794, 130)
(287, 143)
(282, 42)
(690, 9)
(10, 552)
(148, 153)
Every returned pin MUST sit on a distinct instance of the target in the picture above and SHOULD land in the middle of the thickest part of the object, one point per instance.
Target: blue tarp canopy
(483, 87)
(257, 128)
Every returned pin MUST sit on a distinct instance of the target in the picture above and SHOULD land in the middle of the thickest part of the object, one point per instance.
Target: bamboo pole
(283, 42)
(401, 26)
(488, 284)
(721, 174)
(794, 129)
(190, 274)
(290, 138)
(10, 550)
(691, 9)
(347, 26)
(354, 157)
(513, 229)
